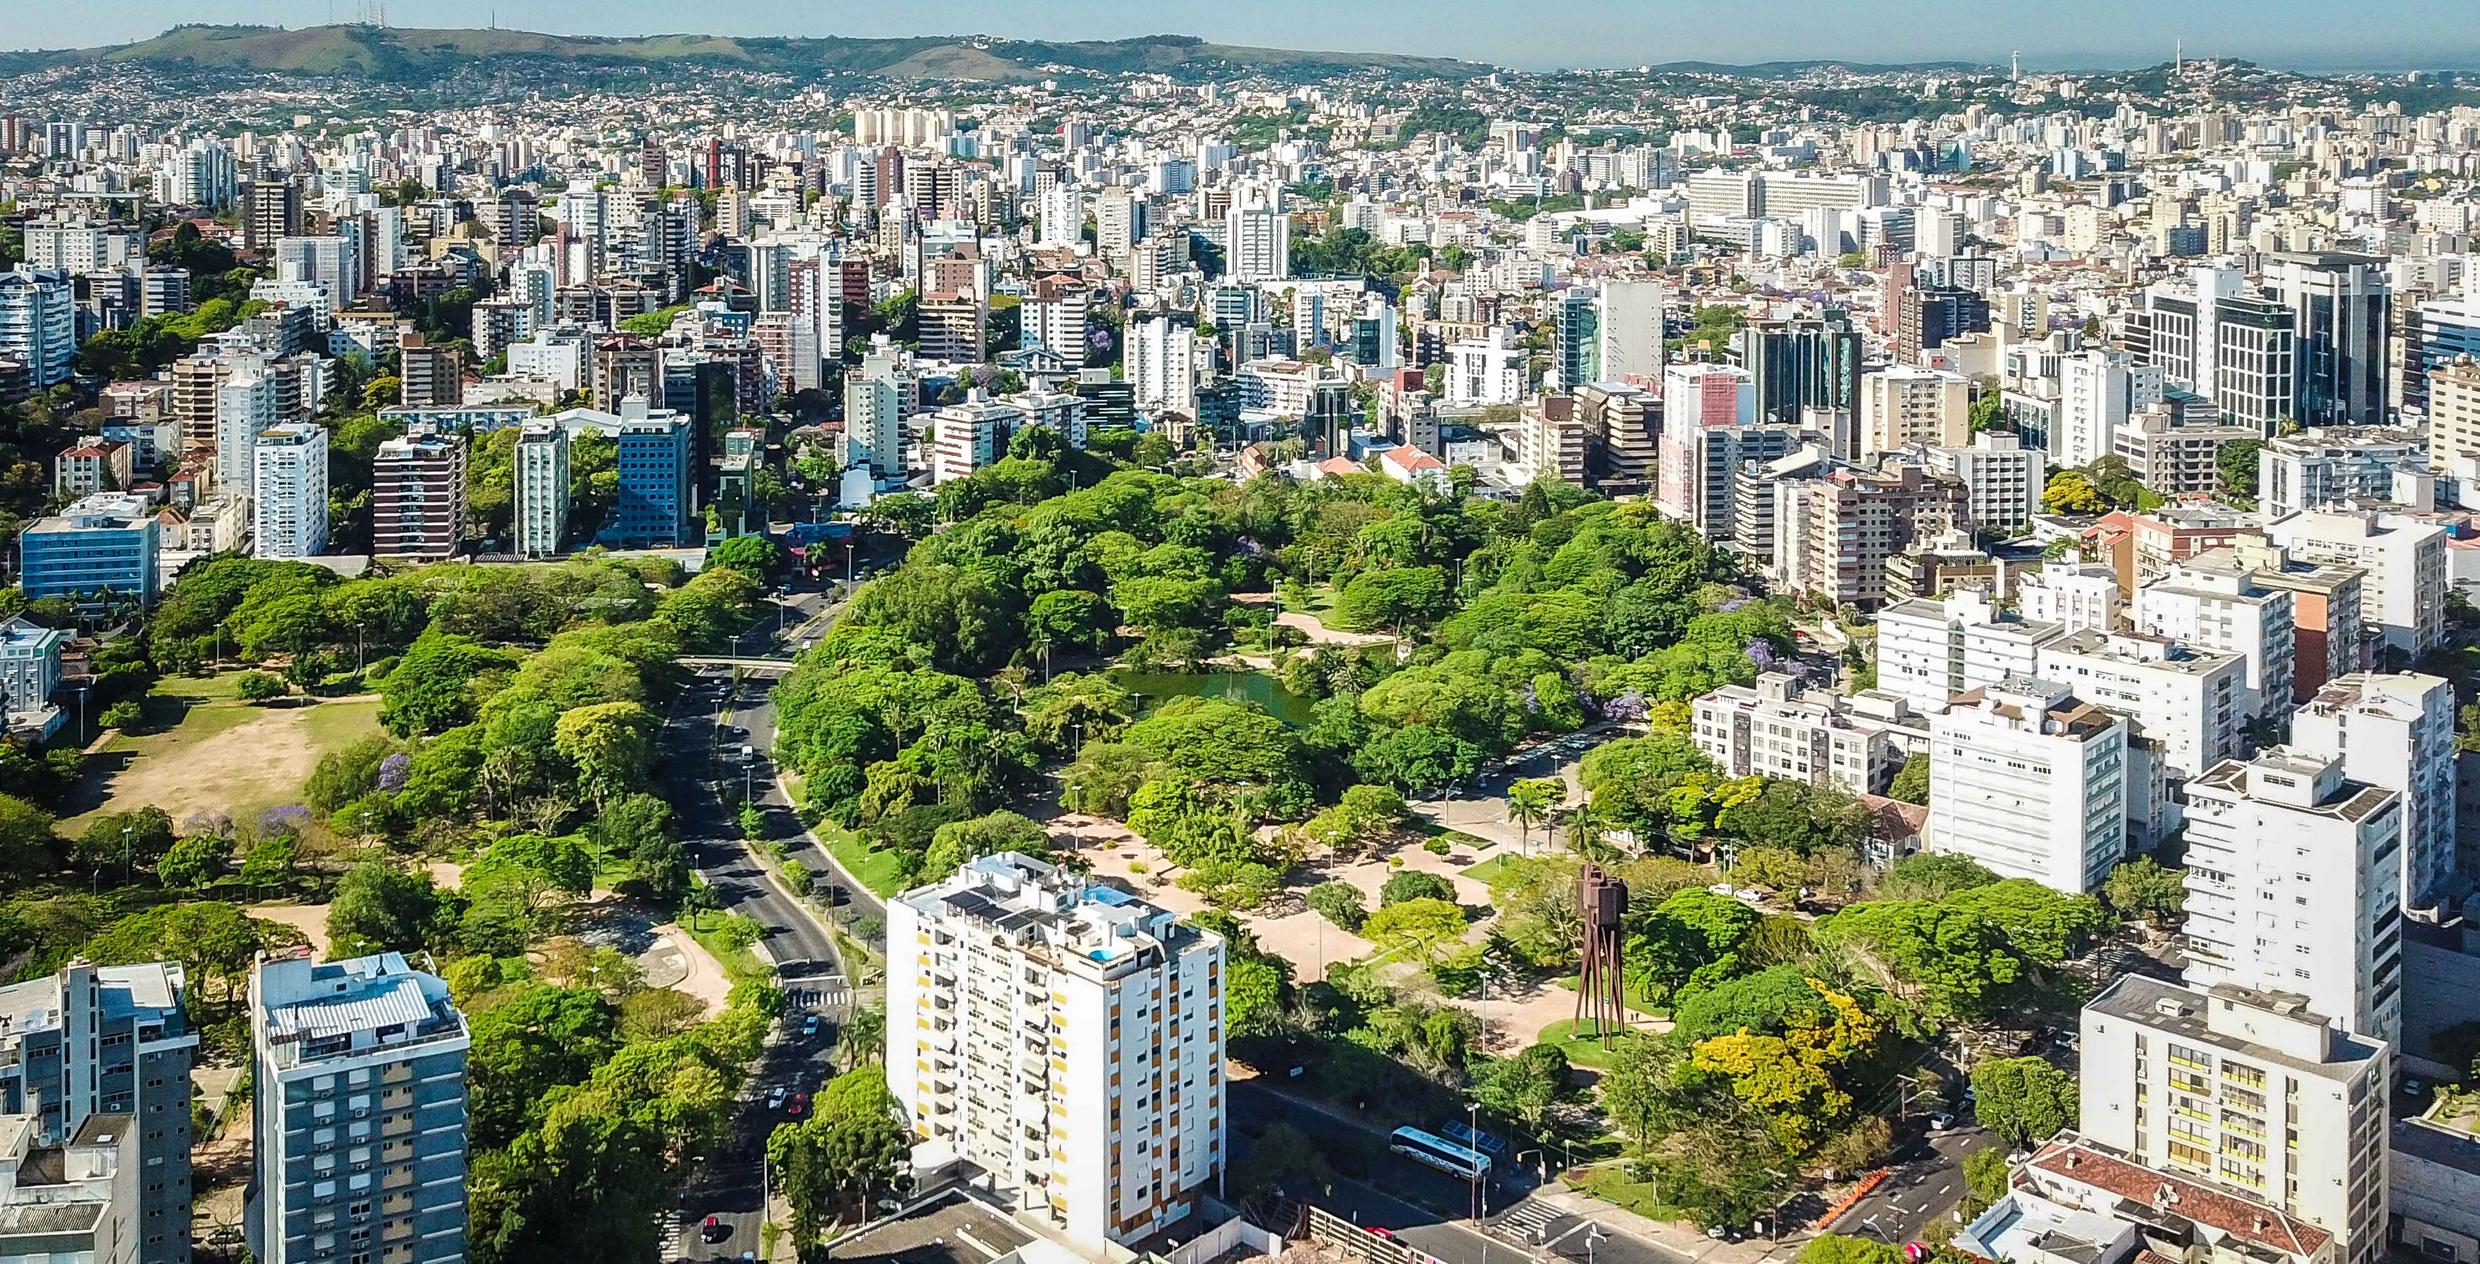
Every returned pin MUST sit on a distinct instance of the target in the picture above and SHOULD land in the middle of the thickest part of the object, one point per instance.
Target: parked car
(775, 1099)
(714, 1230)
(1941, 1121)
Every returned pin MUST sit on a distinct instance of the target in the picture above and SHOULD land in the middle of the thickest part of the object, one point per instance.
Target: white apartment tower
(2189, 703)
(2396, 732)
(2294, 885)
(2405, 557)
(2072, 593)
(2030, 781)
(289, 500)
(2216, 604)
(1063, 1037)
(1929, 651)
(2232, 1092)
(541, 499)
(1257, 239)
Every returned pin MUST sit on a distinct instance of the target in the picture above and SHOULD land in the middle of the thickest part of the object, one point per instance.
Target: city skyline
(2293, 34)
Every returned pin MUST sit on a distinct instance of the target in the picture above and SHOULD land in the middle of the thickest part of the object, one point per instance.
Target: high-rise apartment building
(1902, 405)
(1930, 650)
(2030, 781)
(110, 1043)
(1052, 317)
(970, 435)
(2404, 556)
(2070, 592)
(1064, 1038)
(2294, 884)
(878, 398)
(38, 324)
(2241, 1118)
(540, 517)
(2189, 703)
(2002, 479)
(1163, 360)
(2395, 732)
(1628, 325)
(2322, 469)
(1257, 239)
(2214, 603)
(359, 1076)
(2454, 413)
(288, 504)
(429, 375)
(417, 499)
(1774, 729)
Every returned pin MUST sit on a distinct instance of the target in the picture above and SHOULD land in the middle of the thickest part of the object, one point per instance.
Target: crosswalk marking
(1524, 1224)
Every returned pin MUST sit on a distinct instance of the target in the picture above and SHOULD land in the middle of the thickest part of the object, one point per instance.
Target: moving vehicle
(1440, 1153)
(809, 1025)
(714, 1230)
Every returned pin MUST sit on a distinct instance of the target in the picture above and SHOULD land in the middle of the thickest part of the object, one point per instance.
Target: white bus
(1438, 1152)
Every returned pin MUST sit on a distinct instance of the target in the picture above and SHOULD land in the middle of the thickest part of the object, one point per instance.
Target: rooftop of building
(2395, 695)
(2150, 1195)
(2181, 1011)
(310, 1011)
(1043, 907)
(2447, 1134)
(2024, 1224)
(2061, 712)
(951, 1230)
(2349, 800)
(37, 1004)
(2137, 649)
(99, 512)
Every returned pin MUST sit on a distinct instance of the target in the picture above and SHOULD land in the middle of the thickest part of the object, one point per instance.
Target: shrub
(1413, 884)
(1340, 903)
(257, 686)
(1438, 847)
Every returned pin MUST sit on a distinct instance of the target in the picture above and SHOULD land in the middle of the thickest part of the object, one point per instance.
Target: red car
(799, 1103)
(1379, 1231)
(714, 1230)
(1918, 1251)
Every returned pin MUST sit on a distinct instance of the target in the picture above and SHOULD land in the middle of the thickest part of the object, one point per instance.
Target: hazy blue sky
(2312, 34)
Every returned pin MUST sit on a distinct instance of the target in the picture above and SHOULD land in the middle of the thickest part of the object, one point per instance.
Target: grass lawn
(201, 749)
(1489, 869)
(1585, 1050)
(878, 870)
(1610, 1183)
(738, 963)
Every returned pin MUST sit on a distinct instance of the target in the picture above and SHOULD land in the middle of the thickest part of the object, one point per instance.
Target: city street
(700, 763)
(1927, 1188)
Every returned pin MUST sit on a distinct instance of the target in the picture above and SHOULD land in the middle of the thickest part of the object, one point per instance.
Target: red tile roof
(2208, 1205)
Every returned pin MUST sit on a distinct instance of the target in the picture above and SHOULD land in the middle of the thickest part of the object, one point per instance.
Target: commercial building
(2294, 884)
(1928, 651)
(417, 500)
(2030, 781)
(1063, 1037)
(2395, 732)
(540, 518)
(2171, 459)
(1775, 729)
(2242, 1117)
(29, 664)
(2343, 307)
(1628, 320)
(2404, 597)
(109, 1043)
(1622, 425)
(1803, 364)
(657, 504)
(103, 544)
(289, 502)
(359, 1079)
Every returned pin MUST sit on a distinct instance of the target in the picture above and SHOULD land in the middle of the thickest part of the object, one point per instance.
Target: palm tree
(864, 1037)
(1528, 802)
(1584, 832)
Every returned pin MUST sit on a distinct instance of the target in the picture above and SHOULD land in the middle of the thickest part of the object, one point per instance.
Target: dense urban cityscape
(942, 650)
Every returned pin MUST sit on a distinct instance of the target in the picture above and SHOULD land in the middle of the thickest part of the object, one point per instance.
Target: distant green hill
(392, 54)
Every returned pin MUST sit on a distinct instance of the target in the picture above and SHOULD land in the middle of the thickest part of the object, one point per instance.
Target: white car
(1720, 888)
(775, 1099)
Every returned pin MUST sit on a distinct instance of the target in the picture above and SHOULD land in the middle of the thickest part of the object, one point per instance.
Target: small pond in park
(1153, 687)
